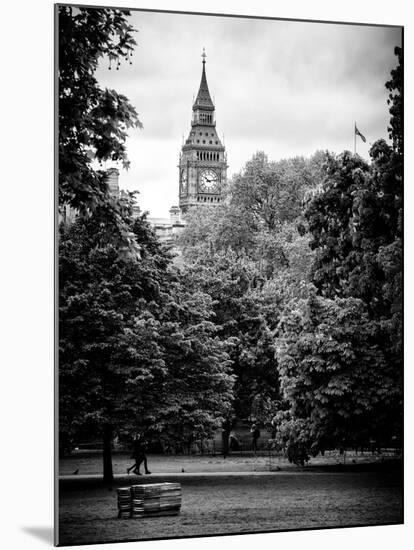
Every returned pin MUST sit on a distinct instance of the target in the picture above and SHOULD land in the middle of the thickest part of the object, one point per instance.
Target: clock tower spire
(203, 161)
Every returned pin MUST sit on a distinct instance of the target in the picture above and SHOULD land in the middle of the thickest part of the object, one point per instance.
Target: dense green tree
(251, 265)
(356, 217)
(329, 217)
(396, 101)
(355, 221)
(321, 285)
(107, 331)
(261, 213)
(197, 395)
(93, 122)
(269, 193)
(335, 377)
(235, 287)
(138, 349)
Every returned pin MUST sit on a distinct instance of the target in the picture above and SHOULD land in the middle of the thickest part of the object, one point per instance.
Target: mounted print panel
(230, 222)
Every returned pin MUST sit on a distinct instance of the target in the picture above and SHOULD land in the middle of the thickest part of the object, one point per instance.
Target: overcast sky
(285, 87)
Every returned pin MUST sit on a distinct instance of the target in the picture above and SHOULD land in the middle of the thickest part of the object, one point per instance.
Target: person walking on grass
(138, 453)
(254, 430)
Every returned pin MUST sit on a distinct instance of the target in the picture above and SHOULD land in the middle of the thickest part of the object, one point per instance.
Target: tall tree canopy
(339, 386)
(288, 299)
(347, 385)
(250, 257)
(93, 122)
(305, 258)
(396, 101)
(138, 349)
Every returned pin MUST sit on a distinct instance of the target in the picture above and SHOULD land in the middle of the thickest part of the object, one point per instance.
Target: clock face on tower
(209, 182)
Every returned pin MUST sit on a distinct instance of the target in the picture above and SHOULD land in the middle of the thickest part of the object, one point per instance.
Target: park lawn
(225, 505)
(91, 463)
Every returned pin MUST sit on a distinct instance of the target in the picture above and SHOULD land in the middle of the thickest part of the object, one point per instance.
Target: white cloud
(288, 88)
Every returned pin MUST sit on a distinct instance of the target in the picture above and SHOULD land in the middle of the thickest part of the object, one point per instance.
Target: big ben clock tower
(203, 161)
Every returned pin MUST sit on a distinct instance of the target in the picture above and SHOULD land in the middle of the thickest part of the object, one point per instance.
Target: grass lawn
(226, 505)
(91, 463)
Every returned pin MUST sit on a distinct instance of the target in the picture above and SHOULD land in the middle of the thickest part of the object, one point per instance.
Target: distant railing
(215, 447)
(267, 447)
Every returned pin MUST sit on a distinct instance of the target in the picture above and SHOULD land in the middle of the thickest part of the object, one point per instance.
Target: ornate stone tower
(203, 160)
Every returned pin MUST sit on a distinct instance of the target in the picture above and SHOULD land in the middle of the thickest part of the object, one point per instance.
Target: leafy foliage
(93, 122)
(288, 304)
(395, 99)
(334, 375)
(355, 220)
(270, 193)
(304, 257)
(232, 285)
(137, 347)
(251, 258)
(100, 320)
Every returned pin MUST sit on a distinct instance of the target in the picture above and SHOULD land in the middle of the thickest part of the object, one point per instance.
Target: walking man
(255, 436)
(138, 453)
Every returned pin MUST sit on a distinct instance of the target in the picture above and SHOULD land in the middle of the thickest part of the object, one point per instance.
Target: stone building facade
(202, 168)
(203, 160)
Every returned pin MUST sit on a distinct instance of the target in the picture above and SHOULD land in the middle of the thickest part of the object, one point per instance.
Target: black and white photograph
(229, 219)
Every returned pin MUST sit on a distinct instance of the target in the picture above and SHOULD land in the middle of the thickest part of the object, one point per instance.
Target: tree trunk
(108, 475)
(225, 433)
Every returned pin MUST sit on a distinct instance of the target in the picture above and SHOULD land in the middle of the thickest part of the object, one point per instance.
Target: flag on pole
(358, 133)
